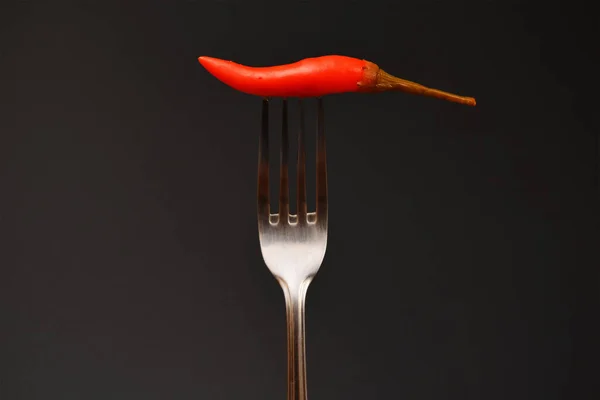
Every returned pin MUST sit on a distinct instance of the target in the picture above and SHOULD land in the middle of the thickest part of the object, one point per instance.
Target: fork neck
(295, 297)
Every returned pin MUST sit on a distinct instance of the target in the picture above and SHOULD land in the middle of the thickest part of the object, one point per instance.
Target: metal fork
(293, 246)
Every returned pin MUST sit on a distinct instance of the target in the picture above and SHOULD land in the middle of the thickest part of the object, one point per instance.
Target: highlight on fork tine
(321, 164)
(263, 165)
(284, 191)
(301, 169)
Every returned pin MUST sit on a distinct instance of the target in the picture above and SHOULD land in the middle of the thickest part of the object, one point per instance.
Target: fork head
(293, 246)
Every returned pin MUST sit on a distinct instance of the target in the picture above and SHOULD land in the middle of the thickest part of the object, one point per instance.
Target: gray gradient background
(129, 259)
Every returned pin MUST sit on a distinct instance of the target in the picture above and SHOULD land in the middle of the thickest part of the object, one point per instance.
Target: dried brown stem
(377, 80)
(385, 82)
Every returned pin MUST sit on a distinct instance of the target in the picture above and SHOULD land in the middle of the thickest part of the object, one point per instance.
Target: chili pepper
(316, 77)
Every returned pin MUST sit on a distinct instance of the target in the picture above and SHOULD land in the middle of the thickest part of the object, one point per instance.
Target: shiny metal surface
(293, 246)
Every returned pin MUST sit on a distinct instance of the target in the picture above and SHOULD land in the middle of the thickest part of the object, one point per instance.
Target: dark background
(129, 257)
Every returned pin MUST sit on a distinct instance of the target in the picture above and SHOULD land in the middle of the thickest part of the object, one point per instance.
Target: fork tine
(263, 166)
(284, 190)
(301, 191)
(321, 166)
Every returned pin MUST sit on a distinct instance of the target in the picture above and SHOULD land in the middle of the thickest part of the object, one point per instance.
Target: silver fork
(293, 246)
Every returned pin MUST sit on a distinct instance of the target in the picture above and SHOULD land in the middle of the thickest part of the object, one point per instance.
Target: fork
(293, 246)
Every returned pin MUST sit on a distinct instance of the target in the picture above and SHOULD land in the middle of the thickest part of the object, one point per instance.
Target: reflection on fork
(293, 246)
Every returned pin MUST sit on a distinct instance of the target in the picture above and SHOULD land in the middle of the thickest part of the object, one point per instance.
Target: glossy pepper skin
(317, 77)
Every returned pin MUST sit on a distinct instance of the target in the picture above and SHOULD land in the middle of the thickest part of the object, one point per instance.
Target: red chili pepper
(316, 77)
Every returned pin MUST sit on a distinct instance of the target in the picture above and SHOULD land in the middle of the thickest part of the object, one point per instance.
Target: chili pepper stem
(385, 82)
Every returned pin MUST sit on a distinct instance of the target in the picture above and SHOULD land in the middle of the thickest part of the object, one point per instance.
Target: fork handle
(295, 300)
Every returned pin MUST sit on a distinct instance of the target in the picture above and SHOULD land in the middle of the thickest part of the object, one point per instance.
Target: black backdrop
(129, 258)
